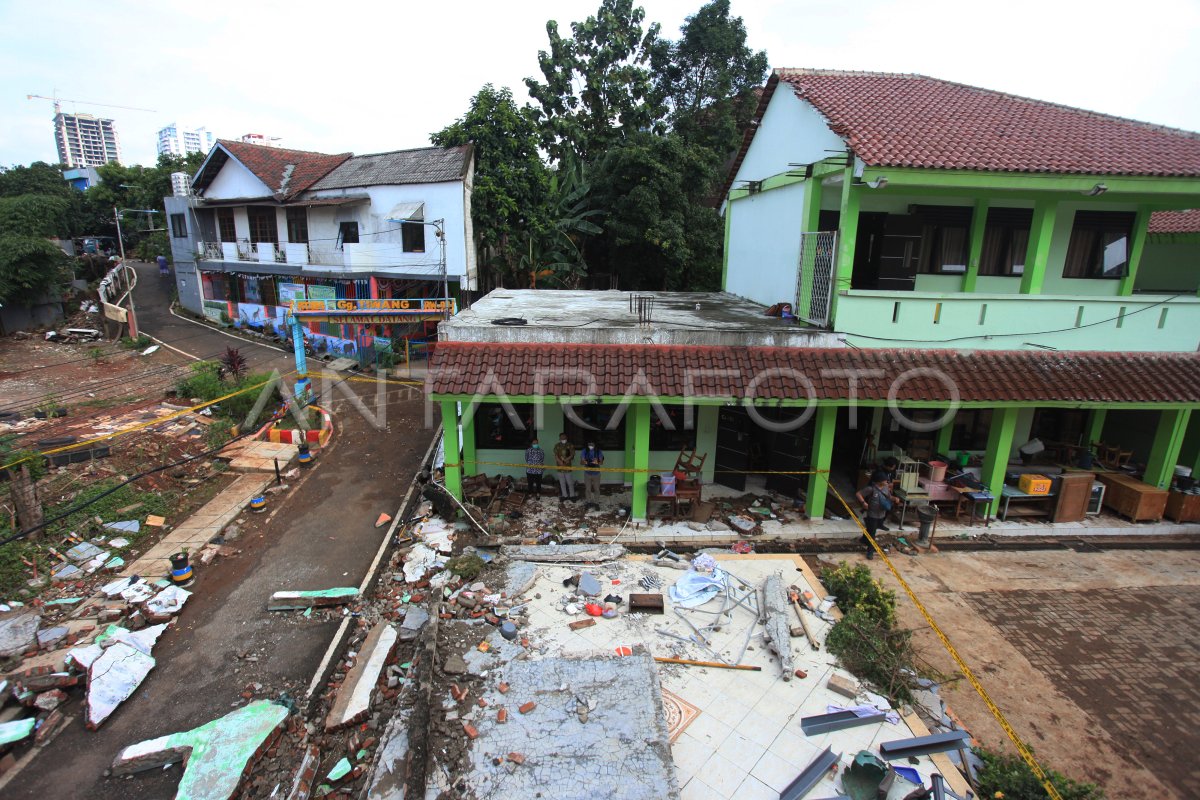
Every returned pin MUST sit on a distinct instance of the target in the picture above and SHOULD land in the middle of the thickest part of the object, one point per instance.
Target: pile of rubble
(102, 649)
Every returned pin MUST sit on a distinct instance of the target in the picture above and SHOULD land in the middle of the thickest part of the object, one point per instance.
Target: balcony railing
(350, 257)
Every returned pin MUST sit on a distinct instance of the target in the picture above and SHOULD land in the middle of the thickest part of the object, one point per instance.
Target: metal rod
(839, 720)
(811, 775)
(717, 664)
(922, 745)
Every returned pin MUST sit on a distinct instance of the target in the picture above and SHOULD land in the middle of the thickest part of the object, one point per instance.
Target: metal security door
(814, 276)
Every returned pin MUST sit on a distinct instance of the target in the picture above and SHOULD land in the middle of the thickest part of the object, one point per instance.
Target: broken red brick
(457, 692)
(470, 730)
(482, 703)
(527, 707)
(516, 758)
(581, 624)
(502, 716)
(50, 725)
(503, 687)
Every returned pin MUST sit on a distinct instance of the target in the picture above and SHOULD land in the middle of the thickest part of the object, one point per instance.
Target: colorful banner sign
(398, 306)
(289, 292)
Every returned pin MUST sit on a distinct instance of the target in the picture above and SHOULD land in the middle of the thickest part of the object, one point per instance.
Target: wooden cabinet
(1132, 498)
(1074, 489)
(1183, 507)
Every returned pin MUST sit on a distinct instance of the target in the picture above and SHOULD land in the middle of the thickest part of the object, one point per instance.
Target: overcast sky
(367, 77)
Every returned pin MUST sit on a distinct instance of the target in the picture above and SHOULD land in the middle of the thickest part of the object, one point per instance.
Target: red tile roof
(1175, 222)
(285, 172)
(781, 373)
(898, 120)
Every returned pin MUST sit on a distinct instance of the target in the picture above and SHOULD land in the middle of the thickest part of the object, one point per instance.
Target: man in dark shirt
(876, 500)
(535, 458)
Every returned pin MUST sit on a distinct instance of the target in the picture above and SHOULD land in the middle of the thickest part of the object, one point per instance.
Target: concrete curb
(325, 667)
(171, 310)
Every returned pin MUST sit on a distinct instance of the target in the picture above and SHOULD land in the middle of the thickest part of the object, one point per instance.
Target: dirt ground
(1091, 656)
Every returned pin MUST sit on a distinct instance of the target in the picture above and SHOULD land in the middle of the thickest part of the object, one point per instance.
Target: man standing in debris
(876, 500)
(564, 456)
(535, 458)
(592, 458)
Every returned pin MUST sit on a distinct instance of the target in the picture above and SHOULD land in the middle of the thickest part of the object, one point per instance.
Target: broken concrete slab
(126, 526)
(65, 572)
(216, 755)
(622, 751)
(588, 584)
(17, 730)
(319, 598)
(112, 679)
(118, 543)
(777, 612)
(353, 700)
(419, 561)
(18, 631)
(415, 618)
(519, 577)
(386, 780)
(564, 553)
(47, 638)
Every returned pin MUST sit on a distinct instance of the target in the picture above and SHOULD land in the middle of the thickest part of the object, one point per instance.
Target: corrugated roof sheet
(424, 165)
(786, 373)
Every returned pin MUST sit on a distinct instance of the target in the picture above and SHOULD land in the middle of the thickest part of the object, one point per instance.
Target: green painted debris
(307, 613)
(340, 770)
(65, 601)
(406, 598)
(287, 601)
(215, 753)
(406, 665)
(15, 731)
(360, 755)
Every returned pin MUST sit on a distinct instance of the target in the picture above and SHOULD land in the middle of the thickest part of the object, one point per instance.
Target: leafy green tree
(708, 79)
(657, 235)
(511, 182)
(34, 215)
(37, 178)
(30, 265)
(1007, 775)
(552, 251)
(598, 83)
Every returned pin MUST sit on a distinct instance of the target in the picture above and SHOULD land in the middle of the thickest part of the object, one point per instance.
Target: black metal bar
(939, 786)
(811, 775)
(923, 745)
(839, 720)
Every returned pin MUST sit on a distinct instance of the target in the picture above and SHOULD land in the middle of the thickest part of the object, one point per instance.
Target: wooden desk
(1183, 507)
(1008, 494)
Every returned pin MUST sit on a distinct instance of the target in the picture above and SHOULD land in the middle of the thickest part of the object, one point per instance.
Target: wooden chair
(688, 468)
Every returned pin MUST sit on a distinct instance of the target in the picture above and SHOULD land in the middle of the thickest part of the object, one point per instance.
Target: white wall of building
(764, 244)
(791, 132)
(381, 243)
(234, 182)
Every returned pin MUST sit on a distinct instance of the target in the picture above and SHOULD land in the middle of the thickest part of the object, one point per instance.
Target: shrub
(1008, 776)
(466, 567)
(875, 652)
(857, 590)
(140, 343)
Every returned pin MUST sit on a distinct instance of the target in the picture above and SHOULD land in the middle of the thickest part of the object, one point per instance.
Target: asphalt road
(152, 299)
(322, 536)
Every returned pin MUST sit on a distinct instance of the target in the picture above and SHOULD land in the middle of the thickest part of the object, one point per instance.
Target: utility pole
(131, 275)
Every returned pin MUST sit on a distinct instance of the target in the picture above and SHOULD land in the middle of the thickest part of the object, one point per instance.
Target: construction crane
(58, 101)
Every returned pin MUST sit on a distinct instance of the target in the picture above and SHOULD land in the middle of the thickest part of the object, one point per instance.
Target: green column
(1095, 426)
(1038, 251)
(725, 256)
(810, 222)
(847, 237)
(999, 447)
(978, 226)
(450, 448)
(641, 460)
(1164, 453)
(468, 445)
(942, 445)
(1138, 243)
(824, 426)
(629, 447)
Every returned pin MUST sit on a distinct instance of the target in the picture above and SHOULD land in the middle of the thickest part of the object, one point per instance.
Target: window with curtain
(1005, 238)
(1099, 246)
(945, 238)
